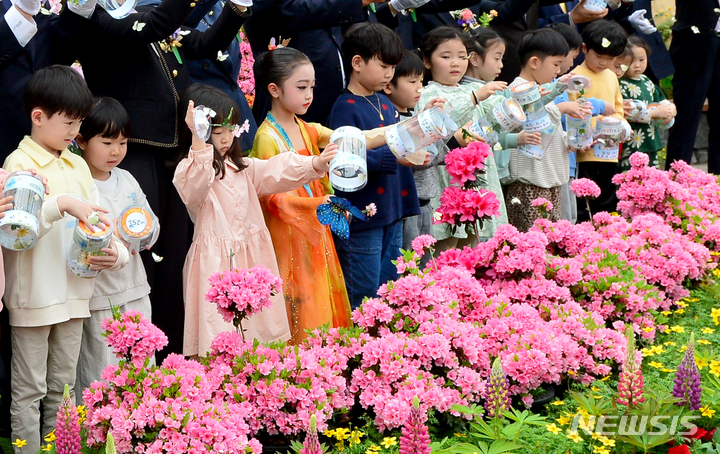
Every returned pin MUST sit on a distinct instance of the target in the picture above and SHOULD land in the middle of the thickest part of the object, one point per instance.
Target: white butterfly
(156, 257)
(606, 42)
(695, 29)
(138, 26)
(221, 56)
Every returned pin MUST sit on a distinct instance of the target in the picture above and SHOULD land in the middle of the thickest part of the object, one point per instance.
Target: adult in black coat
(695, 50)
(315, 27)
(123, 59)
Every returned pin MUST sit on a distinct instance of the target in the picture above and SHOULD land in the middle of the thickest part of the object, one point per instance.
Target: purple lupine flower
(687, 379)
(311, 445)
(497, 397)
(415, 437)
(632, 382)
(67, 427)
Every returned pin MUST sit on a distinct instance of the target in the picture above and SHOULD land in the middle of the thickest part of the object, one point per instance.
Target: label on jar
(395, 142)
(532, 151)
(525, 93)
(601, 151)
(429, 126)
(31, 183)
(539, 124)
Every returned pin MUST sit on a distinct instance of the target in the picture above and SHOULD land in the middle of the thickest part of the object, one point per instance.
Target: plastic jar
(137, 227)
(505, 117)
(608, 134)
(88, 241)
(348, 169)
(580, 130)
(19, 227)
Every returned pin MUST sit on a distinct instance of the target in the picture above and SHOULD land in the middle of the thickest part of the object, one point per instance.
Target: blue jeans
(366, 259)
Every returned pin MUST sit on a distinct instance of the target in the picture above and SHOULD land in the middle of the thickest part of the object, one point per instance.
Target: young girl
(103, 140)
(636, 85)
(446, 59)
(313, 281)
(220, 189)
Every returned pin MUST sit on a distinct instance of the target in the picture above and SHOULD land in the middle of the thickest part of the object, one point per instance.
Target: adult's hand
(29, 7)
(581, 15)
(641, 24)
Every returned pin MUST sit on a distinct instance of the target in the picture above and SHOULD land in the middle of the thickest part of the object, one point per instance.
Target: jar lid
(525, 86)
(347, 132)
(518, 116)
(136, 221)
(98, 230)
(578, 82)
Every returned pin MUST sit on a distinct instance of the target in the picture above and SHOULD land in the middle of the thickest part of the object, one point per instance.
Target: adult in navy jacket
(315, 28)
(695, 50)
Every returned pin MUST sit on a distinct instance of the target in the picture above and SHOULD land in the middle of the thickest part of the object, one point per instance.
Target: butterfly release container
(658, 122)
(505, 117)
(348, 169)
(580, 129)
(600, 5)
(636, 111)
(137, 227)
(536, 117)
(88, 241)
(411, 136)
(576, 87)
(19, 227)
(608, 134)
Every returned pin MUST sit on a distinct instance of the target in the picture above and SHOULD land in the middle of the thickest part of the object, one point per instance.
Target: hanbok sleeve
(193, 179)
(281, 173)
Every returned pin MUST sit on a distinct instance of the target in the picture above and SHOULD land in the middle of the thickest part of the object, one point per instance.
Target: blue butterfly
(334, 213)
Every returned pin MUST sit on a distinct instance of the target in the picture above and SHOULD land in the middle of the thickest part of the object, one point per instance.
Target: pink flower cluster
(67, 427)
(463, 164)
(584, 187)
(246, 77)
(242, 293)
(458, 206)
(132, 337)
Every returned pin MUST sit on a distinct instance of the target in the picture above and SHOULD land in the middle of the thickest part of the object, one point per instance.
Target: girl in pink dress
(220, 189)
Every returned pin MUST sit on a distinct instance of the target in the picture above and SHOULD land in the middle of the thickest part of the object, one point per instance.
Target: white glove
(638, 20)
(402, 5)
(84, 9)
(32, 7)
(245, 3)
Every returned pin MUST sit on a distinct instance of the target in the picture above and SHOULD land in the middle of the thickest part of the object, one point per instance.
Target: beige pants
(44, 360)
(95, 354)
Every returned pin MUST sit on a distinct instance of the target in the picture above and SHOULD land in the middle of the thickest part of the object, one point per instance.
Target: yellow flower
(608, 442)
(683, 348)
(460, 435)
(342, 433)
(48, 447)
(715, 314)
(701, 363)
(564, 420)
(655, 364)
(677, 329)
(669, 343)
(704, 342)
(19, 443)
(680, 311)
(597, 397)
(707, 330)
(605, 378)
(574, 437)
(50, 437)
(558, 402)
(668, 370)
(600, 450)
(707, 411)
(715, 368)
(595, 389)
(389, 441)
(329, 433)
(553, 428)
(648, 329)
(374, 449)
(355, 436)
(666, 313)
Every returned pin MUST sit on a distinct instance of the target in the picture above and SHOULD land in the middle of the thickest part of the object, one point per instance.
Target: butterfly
(221, 56)
(334, 213)
(138, 26)
(606, 43)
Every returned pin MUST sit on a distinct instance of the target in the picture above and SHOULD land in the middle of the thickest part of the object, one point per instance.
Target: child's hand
(609, 108)
(435, 102)
(664, 112)
(573, 108)
(43, 178)
(321, 163)
(489, 88)
(190, 116)
(529, 138)
(103, 262)
(5, 205)
(81, 210)
(464, 136)
(565, 79)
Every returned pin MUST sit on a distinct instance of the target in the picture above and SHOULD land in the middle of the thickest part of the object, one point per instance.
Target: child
(603, 41)
(370, 53)
(445, 57)
(542, 53)
(622, 63)
(636, 85)
(220, 189)
(485, 55)
(103, 140)
(315, 292)
(46, 303)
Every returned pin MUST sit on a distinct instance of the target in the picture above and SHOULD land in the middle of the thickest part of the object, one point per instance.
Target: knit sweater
(390, 186)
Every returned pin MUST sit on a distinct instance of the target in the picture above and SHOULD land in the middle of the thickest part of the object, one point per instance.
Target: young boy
(404, 92)
(603, 42)
(371, 52)
(103, 140)
(542, 53)
(47, 303)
